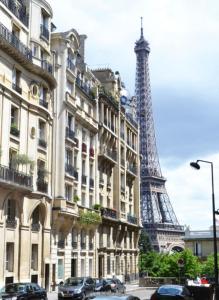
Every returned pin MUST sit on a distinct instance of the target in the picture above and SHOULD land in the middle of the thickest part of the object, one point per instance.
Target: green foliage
(22, 159)
(208, 266)
(97, 206)
(166, 265)
(144, 242)
(76, 198)
(90, 218)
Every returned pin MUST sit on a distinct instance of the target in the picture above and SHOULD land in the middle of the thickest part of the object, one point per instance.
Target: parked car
(76, 288)
(171, 292)
(102, 285)
(23, 291)
(114, 297)
(116, 285)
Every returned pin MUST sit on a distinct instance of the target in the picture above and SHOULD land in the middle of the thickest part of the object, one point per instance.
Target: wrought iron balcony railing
(69, 169)
(15, 42)
(42, 186)
(108, 212)
(43, 103)
(11, 223)
(74, 245)
(18, 11)
(132, 219)
(42, 143)
(11, 175)
(35, 226)
(61, 244)
(15, 131)
(69, 133)
(46, 66)
(44, 31)
(17, 88)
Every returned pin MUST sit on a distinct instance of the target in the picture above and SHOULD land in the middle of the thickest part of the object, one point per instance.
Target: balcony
(91, 183)
(69, 169)
(85, 88)
(74, 245)
(71, 65)
(61, 244)
(44, 32)
(35, 227)
(132, 219)
(14, 130)
(15, 42)
(18, 11)
(42, 186)
(17, 88)
(108, 212)
(108, 153)
(43, 103)
(46, 66)
(83, 246)
(84, 148)
(42, 143)
(84, 179)
(23, 55)
(11, 223)
(69, 134)
(11, 176)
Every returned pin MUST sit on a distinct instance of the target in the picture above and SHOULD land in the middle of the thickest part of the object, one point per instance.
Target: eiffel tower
(158, 217)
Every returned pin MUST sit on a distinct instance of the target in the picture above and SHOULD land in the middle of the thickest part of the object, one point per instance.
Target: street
(142, 292)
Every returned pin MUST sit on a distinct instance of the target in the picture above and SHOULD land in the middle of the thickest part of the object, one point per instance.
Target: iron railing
(46, 66)
(16, 177)
(18, 11)
(108, 212)
(15, 42)
(11, 223)
(132, 219)
(42, 186)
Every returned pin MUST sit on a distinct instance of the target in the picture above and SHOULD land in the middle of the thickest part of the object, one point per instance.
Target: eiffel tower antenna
(158, 217)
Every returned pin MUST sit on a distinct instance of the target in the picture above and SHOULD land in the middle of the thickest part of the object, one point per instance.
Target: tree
(207, 267)
(144, 242)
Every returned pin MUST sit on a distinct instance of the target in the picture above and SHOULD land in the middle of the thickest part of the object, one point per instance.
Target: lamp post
(197, 166)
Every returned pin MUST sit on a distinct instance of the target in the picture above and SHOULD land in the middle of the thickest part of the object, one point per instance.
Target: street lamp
(197, 166)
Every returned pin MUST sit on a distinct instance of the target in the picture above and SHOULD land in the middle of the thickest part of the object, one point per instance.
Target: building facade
(26, 112)
(200, 242)
(69, 157)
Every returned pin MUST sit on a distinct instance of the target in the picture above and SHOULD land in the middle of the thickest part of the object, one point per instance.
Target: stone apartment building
(26, 113)
(69, 159)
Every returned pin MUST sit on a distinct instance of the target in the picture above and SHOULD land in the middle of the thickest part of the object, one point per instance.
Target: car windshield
(14, 288)
(169, 290)
(73, 281)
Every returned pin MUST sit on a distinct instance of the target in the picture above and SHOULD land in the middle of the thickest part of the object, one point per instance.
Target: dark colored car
(171, 292)
(23, 291)
(116, 285)
(102, 285)
(115, 297)
(76, 288)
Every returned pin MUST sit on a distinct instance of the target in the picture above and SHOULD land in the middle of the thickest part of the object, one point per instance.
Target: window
(70, 121)
(42, 134)
(14, 115)
(82, 104)
(44, 31)
(9, 266)
(41, 170)
(83, 199)
(69, 87)
(34, 257)
(84, 135)
(16, 77)
(11, 210)
(68, 157)
(36, 216)
(12, 155)
(108, 264)
(90, 201)
(15, 32)
(83, 167)
(68, 192)
(74, 238)
(60, 269)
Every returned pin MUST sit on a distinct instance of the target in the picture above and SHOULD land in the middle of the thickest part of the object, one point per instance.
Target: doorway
(73, 267)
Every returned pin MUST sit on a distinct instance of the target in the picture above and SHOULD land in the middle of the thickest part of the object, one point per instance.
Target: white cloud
(190, 191)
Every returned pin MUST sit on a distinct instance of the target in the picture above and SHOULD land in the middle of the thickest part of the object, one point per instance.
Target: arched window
(35, 224)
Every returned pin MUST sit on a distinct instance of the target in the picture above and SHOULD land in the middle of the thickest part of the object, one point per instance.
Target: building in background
(200, 242)
(26, 113)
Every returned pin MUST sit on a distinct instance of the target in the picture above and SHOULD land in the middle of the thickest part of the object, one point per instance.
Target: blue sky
(184, 66)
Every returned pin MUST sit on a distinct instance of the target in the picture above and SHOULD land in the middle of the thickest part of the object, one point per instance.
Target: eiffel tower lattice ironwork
(158, 217)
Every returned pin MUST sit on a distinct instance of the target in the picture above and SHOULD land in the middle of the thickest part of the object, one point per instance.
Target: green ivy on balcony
(90, 218)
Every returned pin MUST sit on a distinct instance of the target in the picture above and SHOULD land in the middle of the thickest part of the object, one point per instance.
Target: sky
(184, 65)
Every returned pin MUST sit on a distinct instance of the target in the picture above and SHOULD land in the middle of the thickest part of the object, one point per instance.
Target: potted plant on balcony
(23, 160)
(76, 198)
(97, 206)
(90, 218)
